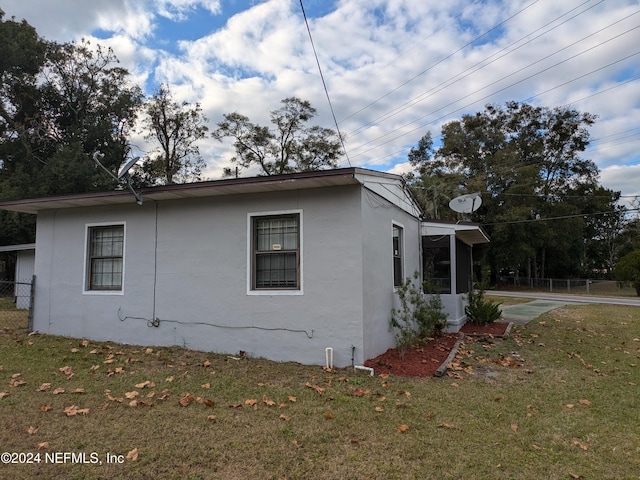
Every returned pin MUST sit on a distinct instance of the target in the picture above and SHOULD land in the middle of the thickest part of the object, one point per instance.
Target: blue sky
(394, 68)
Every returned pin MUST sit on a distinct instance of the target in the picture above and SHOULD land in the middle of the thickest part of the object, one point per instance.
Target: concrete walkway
(523, 313)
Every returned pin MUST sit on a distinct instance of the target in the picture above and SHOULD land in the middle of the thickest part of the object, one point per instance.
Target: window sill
(103, 292)
(274, 292)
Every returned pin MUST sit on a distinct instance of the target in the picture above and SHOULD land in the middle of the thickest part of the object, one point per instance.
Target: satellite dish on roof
(123, 174)
(127, 166)
(466, 203)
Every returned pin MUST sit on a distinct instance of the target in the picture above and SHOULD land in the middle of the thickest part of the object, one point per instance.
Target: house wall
(378, 217)
(185, 264)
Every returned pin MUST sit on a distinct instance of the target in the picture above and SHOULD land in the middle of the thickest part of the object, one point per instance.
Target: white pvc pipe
(328, 358)
(362, 367)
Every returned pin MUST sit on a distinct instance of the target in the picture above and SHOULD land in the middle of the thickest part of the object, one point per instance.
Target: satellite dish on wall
(466, 203)
(127, 166)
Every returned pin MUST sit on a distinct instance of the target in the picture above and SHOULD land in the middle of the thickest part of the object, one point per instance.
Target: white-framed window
(275, 253)
(104, 258)
(398, 253)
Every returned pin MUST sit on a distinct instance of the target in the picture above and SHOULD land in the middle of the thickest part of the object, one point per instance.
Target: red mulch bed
(495, 328)
(424, 360)
(419, 361)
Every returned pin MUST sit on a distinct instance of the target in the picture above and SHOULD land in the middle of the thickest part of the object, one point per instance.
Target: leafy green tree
(176, 128)
(89, 105)
(432, 185)
(289, 146)
(628, 270)
(59, 104)
(526, 163)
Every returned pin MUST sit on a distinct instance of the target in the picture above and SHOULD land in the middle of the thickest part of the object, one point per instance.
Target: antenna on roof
(122, 175)
(466, 204)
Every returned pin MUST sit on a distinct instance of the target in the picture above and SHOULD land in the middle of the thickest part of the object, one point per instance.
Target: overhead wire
(563, 217)
(471, 42)
(481, 65)
(421, 126)
(324, 84)
(572, 57)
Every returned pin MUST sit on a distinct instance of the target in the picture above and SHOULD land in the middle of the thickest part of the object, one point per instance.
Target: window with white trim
(397, 255)
(105, 257)
(275, 252)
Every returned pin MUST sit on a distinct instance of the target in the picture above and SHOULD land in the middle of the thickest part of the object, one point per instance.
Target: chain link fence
(16, 305)
(578, 286)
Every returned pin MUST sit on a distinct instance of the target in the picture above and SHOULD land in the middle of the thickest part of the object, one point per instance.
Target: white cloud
(179, 10)
(394, 68)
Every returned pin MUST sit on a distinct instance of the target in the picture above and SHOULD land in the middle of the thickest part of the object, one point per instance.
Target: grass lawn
(557, 400)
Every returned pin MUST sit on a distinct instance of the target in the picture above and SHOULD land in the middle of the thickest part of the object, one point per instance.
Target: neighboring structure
(279, 267)
(25, 261)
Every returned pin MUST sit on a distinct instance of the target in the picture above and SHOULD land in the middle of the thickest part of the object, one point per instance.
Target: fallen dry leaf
(448, 425)
(131, 395)
(67, 371)
(317, 388)
(146, 384)
(169, 379)
(379, 409)
(73, 410)
(584, 402)
(164, 395)
(45, 408)
(284, 417)
(211, 418)
(3, 395)
(16, 381)
(292, 399)
(267, 401)
(44, 387)
(403, 428)
(132, 455)
(251, 402)
(359, 392)
(77, 390)
(206, 385)
(32, 430)
(514, 427)
(583, 446)
(57, 391)
(206, 364)
(328, 416)
(43, 445)
(186, 400)
(148, 351)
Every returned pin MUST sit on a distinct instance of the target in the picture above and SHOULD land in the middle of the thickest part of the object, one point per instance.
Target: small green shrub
(418, 317)
(628, 270)
(481, 311)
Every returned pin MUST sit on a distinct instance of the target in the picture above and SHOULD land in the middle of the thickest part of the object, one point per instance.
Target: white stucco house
(279, 267)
